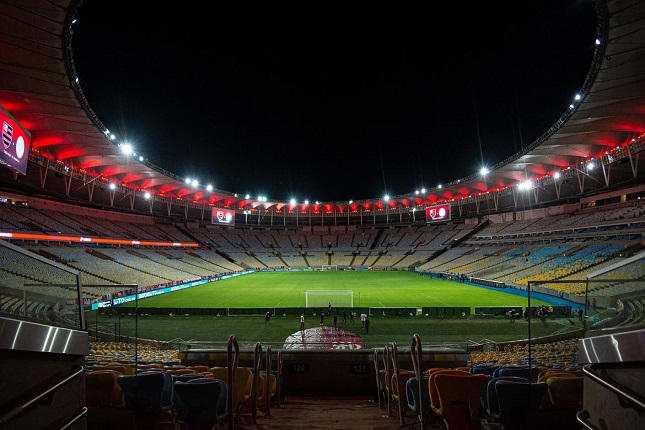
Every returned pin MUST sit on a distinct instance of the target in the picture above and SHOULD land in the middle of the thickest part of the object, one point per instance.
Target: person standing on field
(302, 322)
(267, 317)
(344, 316)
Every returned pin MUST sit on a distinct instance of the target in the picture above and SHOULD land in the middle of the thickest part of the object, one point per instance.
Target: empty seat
(102, 389)
(517, 401)
(459, 404)
(148, 394)
(202, 403)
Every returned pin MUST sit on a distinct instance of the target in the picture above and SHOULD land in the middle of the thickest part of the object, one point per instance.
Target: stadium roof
(593, 147)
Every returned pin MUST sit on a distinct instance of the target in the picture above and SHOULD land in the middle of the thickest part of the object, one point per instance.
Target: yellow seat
(432, 388)
(242, 387)
(102, 389)
(565, 391)
(178, 372)
(204, 370)
(459, 399)
(399, 393)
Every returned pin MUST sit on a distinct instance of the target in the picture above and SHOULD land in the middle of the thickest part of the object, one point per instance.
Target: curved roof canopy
(593, 147)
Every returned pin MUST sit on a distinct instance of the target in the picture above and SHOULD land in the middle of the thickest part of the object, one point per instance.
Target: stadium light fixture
(112, 185)
(194, 183)
(209, 187)
(484, 171)
(126, 148)
(293, 201)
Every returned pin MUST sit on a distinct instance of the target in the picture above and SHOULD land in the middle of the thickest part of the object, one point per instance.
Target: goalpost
(337, 298)
(325, 267)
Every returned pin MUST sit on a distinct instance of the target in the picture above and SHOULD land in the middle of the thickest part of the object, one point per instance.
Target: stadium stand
(581, 244)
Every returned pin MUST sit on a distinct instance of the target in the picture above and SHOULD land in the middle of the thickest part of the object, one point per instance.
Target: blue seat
(149, 394)
(516, 401)
(485, 369)
(530, 373)
(203, 402)
(183, 378)
(414, 400)
(489, 399)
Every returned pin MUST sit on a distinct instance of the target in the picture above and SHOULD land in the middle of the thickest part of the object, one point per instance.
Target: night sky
(330, 102)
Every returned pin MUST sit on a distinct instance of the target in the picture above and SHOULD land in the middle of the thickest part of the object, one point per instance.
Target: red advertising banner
(16, 141)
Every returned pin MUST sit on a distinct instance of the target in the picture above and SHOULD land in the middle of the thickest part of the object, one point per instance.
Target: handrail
(269, 364)
(257, 361)
(232, 360)
(388, 382)
(377, 371)
(80, 413)
(8, 416)
(279, 381)
(417, 362)
(395, 366)
(582, 416)
(626, 397)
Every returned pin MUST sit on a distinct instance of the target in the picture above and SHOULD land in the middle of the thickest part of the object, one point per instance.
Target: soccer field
(371, 289)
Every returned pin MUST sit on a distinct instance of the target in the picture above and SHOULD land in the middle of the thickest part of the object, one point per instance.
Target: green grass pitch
(371, 289)
(287, 289)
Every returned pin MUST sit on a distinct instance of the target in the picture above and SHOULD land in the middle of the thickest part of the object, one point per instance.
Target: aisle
(300, 413)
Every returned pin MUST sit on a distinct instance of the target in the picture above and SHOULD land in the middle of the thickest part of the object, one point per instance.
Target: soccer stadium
(129, 299)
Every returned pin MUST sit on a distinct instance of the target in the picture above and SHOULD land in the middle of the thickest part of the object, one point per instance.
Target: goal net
(328, 267)
(337, 298)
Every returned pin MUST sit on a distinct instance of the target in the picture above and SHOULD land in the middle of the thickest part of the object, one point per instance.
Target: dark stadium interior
(85, 230)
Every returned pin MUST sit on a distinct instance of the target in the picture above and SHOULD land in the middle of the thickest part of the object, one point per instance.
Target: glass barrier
(34, 288)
